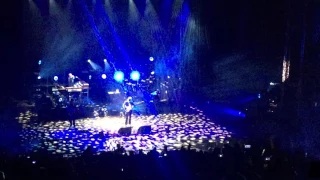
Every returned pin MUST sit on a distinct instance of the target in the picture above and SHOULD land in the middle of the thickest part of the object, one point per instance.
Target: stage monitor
(125, 131)
(144, 130)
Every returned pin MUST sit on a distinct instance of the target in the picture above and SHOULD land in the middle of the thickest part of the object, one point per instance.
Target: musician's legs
(70, 120)
(74, 121)
(129, 118)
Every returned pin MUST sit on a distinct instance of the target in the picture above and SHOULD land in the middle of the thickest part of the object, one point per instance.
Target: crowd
(232, 161)
(238, 160)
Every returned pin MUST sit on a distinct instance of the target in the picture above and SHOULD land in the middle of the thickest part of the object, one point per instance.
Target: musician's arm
(124, 105)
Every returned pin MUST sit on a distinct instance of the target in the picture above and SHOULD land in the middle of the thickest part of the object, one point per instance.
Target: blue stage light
(55, 78)
(105, 60)
(40, 62)
(90, 77)
(89, 60)
(152, 72)
(151, 58)
(135, 75)
(118, 76)
(39, 77)
(259, 96)
(104, 76)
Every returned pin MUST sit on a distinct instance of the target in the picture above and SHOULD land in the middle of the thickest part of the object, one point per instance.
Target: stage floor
(173, 130)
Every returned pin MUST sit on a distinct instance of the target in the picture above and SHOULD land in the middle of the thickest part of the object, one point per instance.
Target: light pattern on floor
(172, 130)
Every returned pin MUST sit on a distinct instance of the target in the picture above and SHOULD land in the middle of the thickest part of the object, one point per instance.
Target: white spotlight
(89, 60)
(151, 58)
(105, 60)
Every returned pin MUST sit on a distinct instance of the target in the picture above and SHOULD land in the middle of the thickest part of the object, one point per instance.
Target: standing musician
(128, 106)
(71, 78)
(72, 113)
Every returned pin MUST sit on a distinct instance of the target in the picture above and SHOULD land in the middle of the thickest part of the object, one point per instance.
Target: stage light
(135, 75)
(55, 78)
(90, 77)
(89, 60)
(168, 77)
(40, 62)
(104, 76)
(118, 76)
(151, 58)
(152, 72)
(39, 77)
(259, 96)
(105, 60)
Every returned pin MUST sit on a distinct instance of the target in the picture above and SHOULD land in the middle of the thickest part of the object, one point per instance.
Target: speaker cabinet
(125, 131)
(144, 130)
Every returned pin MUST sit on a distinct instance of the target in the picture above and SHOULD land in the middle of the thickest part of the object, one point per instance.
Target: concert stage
(173, 130)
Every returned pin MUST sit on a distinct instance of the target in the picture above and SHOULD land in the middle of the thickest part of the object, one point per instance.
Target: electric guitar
(128, 108)
(131, 106)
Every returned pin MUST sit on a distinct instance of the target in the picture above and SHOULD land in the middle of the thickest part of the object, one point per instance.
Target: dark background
(242, 51)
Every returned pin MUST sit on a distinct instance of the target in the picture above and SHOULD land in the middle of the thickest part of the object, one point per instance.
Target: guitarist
(128, 106)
